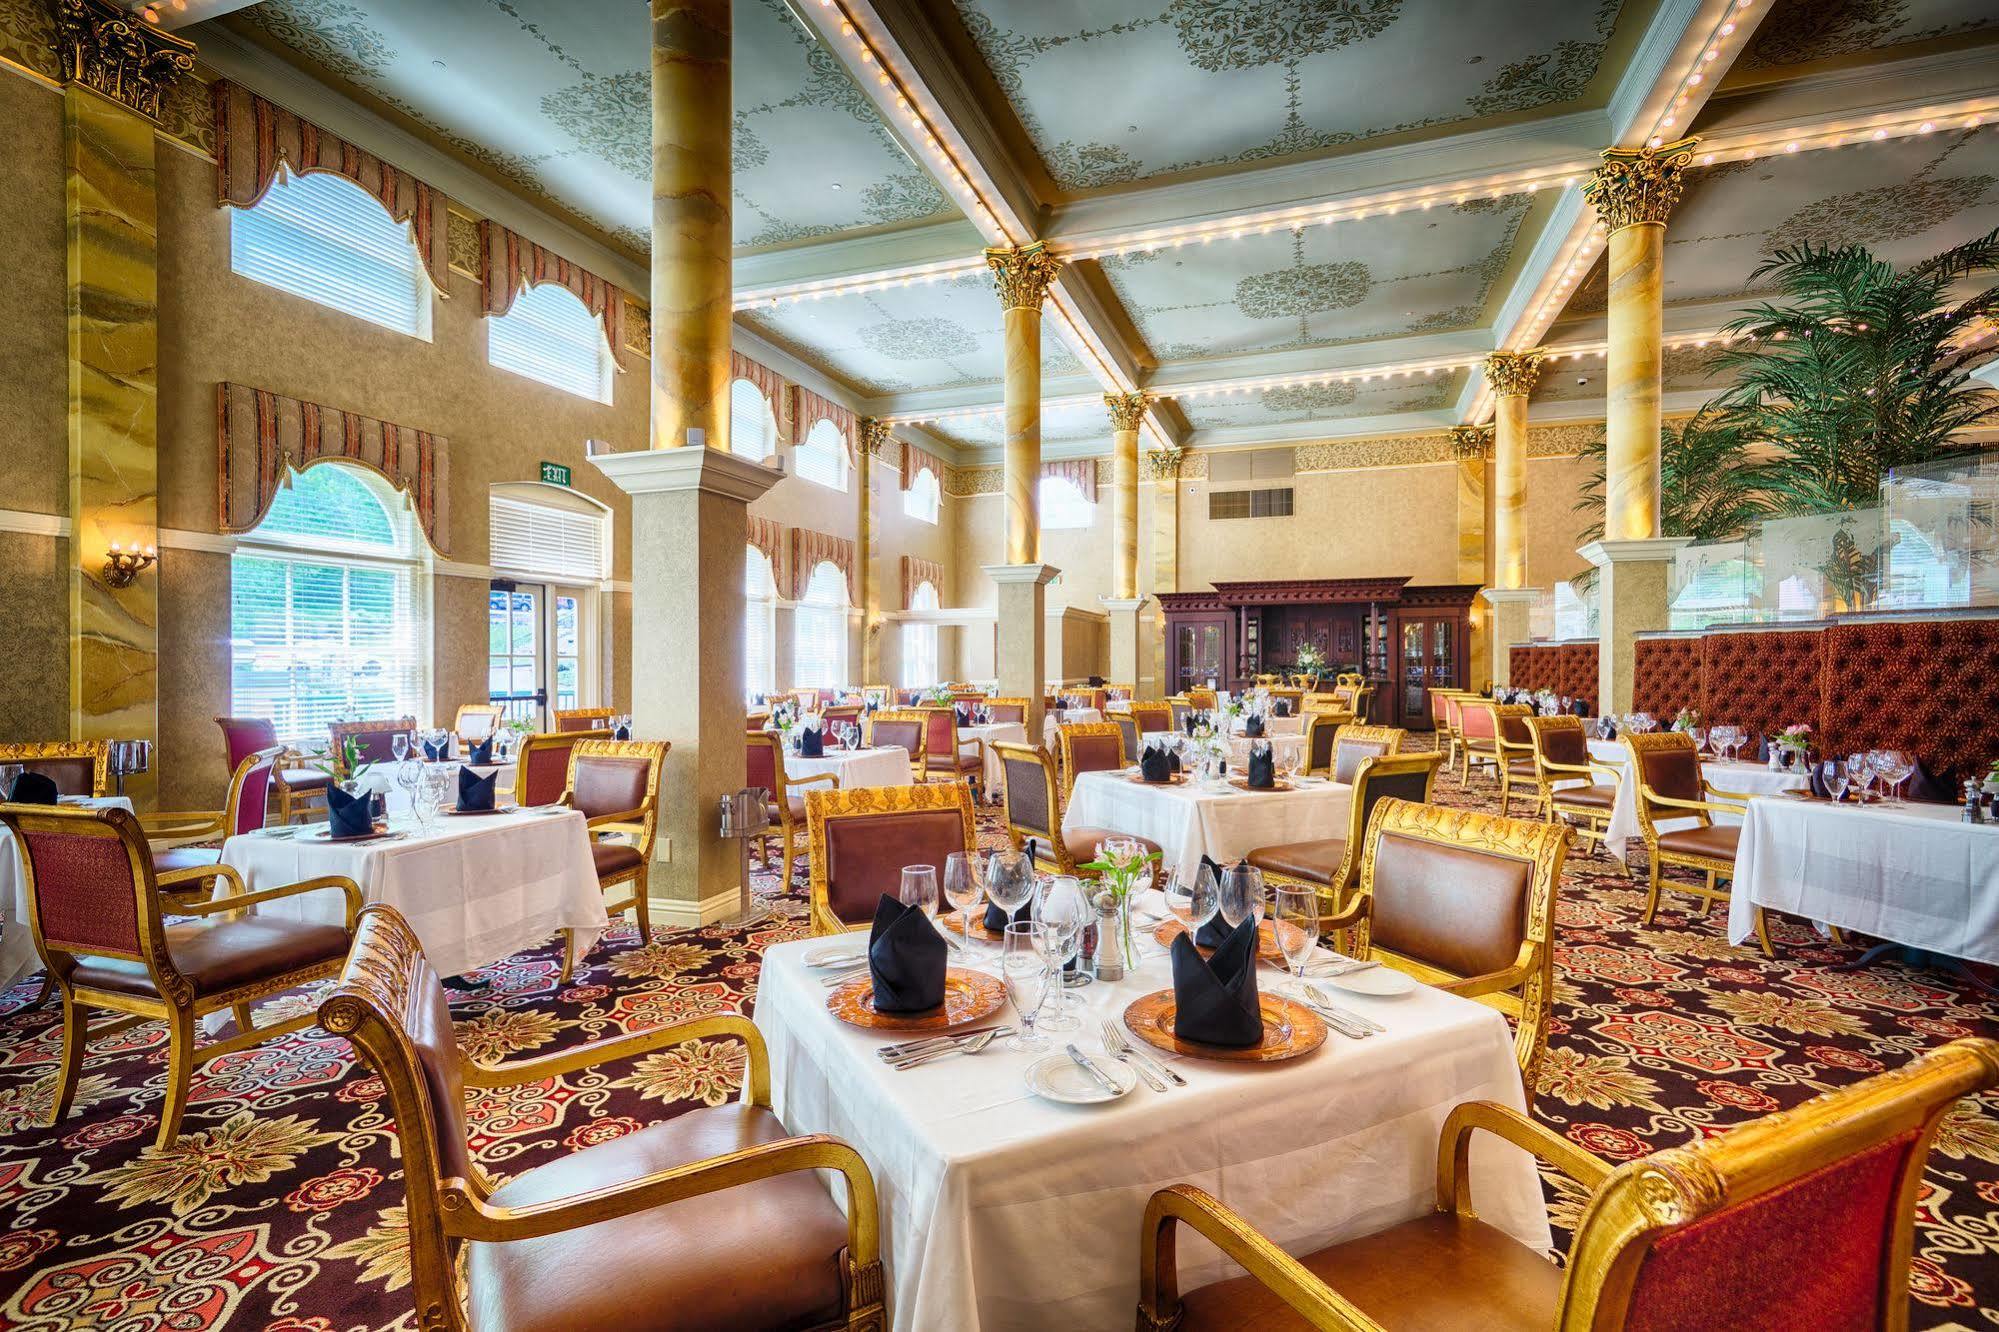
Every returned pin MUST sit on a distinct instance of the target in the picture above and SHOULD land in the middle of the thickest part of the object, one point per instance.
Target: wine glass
(919, 888)
(1833, 773)
(1895, 768)
(1060, 912)
(399, 745)
(1009, 880)
(1296, 925)
(1025, 969)
(438, 779)
(1859, 774)
(1192, 899)
(1241, 895)
(963, 887)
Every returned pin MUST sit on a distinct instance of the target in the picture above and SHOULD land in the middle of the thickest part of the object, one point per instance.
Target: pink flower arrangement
(1796, 737)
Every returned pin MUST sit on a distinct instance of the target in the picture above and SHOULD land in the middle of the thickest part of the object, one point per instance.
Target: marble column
(1512, 376)
(1471, 446)
(874, 443)
(1633, 192)
(1022, 277)
(1164, 465)
(115, 73)
(1127, 654)
(690, 496)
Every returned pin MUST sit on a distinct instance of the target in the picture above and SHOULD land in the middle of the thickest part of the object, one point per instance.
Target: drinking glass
(1009, 880)
(1027, 975)
(1296, 925)
(438, 779)
(1241, 895)
(1699, 733)
(1193, 898)
(1895, 768)
(1061, 912)
(919, 888)
(963, 887)
(1859, 774)
(1833, 773)
(399, 745)
(9, 774)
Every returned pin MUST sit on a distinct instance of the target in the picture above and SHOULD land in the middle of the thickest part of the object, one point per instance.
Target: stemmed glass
(1193, 898)
(1009, 880)
(1025, 969)
(919, 888)
(1895, 768)
(436, 789)
(1833, 773)
(399, 745)
(9, 774)
(1296, 925)
(1060, 914)
(1860, 774)
(409, 776)
(1241, 895)
(963, 887)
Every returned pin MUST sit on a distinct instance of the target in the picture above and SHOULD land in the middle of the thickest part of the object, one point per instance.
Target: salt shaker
(1110, 959)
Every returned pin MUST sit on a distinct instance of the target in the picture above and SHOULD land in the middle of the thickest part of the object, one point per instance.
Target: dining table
(1289, 749)
(1003, 1211)
(988, 735)
(17, 946)
(872, 765)
(1066, 717)
(1190, 819)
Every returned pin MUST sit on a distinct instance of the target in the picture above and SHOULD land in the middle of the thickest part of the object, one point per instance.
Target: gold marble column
(1633, 192)
(115, 72)
(1512, 376)
(1471, 446)
(875, 437)
(1164, 465)
(1125, 605)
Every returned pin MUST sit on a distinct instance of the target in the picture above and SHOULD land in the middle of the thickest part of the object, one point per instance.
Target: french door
(536, 640)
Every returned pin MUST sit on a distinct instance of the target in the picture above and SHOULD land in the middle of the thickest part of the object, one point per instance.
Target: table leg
(1918, 957)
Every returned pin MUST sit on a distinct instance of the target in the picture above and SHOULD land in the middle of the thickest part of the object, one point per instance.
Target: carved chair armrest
(831, 779)
(181, 879)
(236, 901)
(1454, 1151)
(630, 817)
(1650, 796)
(1492, 982)
(1359, 909)
(1741, 797)
(1280, 1273)
(181, 825)
(611, 1049)
(1589, 769)
(635, 830)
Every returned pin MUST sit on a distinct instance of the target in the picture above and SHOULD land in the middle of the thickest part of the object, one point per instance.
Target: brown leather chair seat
(221, 956)
(1436, 1272)
(1523, 767)
(761, 1254)
(1587, 797)
(1082, 842)
(185, 857)
(1316, 861)
(943, 763)
(614, 857)
(1717, 843)
(795, 800)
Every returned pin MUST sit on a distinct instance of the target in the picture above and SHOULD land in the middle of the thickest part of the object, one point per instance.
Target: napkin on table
(1262, 766)
(1283, 707)
(482, 753)
(1216, 998)
(906, 958)
(811, 743)
(348, 816)
(437, 750)
(475, 792)
(1155, 764)
(1253, 725)
(35, 788)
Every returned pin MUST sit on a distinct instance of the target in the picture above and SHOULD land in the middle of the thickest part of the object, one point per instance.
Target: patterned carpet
(281, 1205)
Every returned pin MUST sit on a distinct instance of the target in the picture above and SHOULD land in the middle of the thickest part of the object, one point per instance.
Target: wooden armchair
(861, 839)
(541, 765)
(1202, 698)
(97, 912)
(1007, 709)
(1129, 732)
(1464, 902)
(907, 727)
(1152, 717)
(477, 723)
(1294, 697)
(1805, 1217)
(300, 788)
(245, 811)
(945, 757)
(1561, 754)
(1177, 708)
(375, 740)
(1451, 701)
(584, 719)
(1033, 803)
(77, 767)
(1513, 750)
(614, 784)
(1332, 865)
(1355, 744)
(785, 810)
(1339, 700)
(1088, 747)
(1477, 734)
(1672, 786)
(714, 1213)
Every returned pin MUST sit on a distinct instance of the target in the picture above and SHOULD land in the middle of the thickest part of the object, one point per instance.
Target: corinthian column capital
(1165, 463)
(110, 51)
(1023, 275)
(1127, 409)
(1637, 185)
(875, 435)
(1470, 443)
(1513, 374)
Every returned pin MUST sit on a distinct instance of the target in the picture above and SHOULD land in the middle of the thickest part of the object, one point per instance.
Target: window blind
(1062, 505)
(919, 642)
(921, 500)
(819, 631)
(822, 458)
(549, 336)
(556, 544)
(752, 429)
(759, 632)
(324, 238)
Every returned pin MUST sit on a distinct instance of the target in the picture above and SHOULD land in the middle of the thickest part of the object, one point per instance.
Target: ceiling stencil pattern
(1061, 424)
(555, 97)
(1271, 78)
(1798, 32)
(1293, 405)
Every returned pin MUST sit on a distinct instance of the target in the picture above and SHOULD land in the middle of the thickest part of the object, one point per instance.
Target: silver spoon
(968, 1047)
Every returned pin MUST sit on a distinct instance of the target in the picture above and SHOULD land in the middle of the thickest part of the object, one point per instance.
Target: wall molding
(34, 524)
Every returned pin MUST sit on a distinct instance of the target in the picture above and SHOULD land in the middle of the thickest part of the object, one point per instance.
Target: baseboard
(673, 913)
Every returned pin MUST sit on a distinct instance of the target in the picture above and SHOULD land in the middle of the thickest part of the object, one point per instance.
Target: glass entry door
(1426, 659)
(1198, 649)
(534, 646)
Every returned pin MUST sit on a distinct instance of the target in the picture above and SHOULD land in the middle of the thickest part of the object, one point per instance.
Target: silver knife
(911, 1047)
(1319, 1000)
(1083, 1062)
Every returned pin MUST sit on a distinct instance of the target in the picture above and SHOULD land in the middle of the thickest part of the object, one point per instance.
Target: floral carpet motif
(281, 1206)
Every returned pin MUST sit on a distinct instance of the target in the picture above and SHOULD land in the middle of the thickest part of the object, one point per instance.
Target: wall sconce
(122, 566)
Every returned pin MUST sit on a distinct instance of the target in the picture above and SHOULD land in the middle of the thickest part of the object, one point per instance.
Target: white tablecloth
(475, 889)
(1294, 725)
(1189, 821)
(1291, 747)
(17, 945)
(1915, 874)
(1071, 717)
(1752, 779)
(381, 779)
(884, 766)
(1002, 1211)
(1006, 733)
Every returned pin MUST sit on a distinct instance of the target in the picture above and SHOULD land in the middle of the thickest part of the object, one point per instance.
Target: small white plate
(845, 955)
(1056, 1078)
(1382, 981)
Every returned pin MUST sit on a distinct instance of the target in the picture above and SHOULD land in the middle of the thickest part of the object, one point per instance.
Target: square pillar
(689, 530)
(1635, 588)
(1510, 607)
(1128, 647)
(1022, 664)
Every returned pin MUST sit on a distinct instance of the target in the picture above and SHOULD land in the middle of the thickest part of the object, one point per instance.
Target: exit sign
(554, 474)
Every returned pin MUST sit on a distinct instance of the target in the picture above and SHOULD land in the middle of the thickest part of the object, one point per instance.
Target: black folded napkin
(1282, 707)
(1173, 762)
(1930, 787)
(1579, 707)
(622, 732)
(437, 750)
(1253, 725)
(1154, 764)
(1262, 773)
(482, 753)
(811, 743)
(348, 816)
(1187, 723)
(475, 792)
(35, 788)
(1215, 999)
(1212, 934)
(905, 959)
(964, 711)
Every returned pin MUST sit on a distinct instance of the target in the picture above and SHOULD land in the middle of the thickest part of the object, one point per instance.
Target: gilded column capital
(1165, 463)
(1471, 443)
(110, 51)
(1637, 185)
(1127, 409)
(875, 435)
(1513, 374)
(1023, 275)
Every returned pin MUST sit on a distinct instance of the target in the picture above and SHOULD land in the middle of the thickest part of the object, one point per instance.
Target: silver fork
(970, 1046)
(1120, 1048)
(1320, 1001)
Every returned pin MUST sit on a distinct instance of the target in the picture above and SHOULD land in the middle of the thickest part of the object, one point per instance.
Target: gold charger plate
(1289, 1030)
(953, 923)
(1242, 784)
(1266, 940)
(968, 997)
(1177, 779)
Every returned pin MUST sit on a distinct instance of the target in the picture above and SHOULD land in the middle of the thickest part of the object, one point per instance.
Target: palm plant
(1709, 483)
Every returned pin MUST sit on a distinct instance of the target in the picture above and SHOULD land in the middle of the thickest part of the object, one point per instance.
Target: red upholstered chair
(1151, 717)
(301, 789)
(1672, 786)
(1514, 750)
(374, 739)
(711, 1218)
(541, 765)
(97, 911)
(785, 810)
(1803, 1219)
(945, 758)
(841, 714)
(1561, 755)
(903, 727)
(247, 810)
(1088, 747)
(583, 719)
(1034, 815)
(861, 838)
(77, 767)
(614, 784)
(1478, 731)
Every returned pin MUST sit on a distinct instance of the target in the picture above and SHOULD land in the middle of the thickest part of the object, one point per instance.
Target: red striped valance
(767, 535)
(776, 390)
(253, 137)
(510, 262)
(260, 436)
(915, 573)
(1081, 471)
(811, 549)
(812, 409)
(915, 460)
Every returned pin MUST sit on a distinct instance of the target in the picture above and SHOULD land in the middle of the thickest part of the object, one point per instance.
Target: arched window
(759, 630)
(325, 238)
(551, 336)
(329, 613)
(919, 641)
(1063, 505)
(752, 428)
(819, 631)
(823, 455)
(923, 498)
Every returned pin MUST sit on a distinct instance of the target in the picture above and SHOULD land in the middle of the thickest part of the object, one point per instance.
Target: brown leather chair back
(1511, 719)
(583, 719)
(862, 838)
(1406, 777)
(1321, 733)
(1670, 765)
(1128, 731)
(899, 728)
(1089, 747)
(375, 739)
(1027, 787)
(1354, 745)
(541, 766)
(1007, 710)
(1152, 717)
(77, 767)
(604, 785)
(1458, 908)
(1563, 740)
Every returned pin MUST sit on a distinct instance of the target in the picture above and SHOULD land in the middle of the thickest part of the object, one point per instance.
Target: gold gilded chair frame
(1065, 740)
(788, 826)
(1653, 806)
(1057, 859)
(639, 824)
(860, 802)
(917, 756)
(1335, 895)
(97, 751)
(1590, 822)
(1506, 751)
(339, 733)
(445, 1212)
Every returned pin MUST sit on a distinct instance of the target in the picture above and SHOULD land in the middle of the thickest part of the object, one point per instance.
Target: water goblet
(1241, 895)
(1895, 768)
(1028, 977)
(399, 745)
(1833, 773)
(1061, 913)
(1296, 925)
(964, 885)
(1193, 899)
(919, 888)
(1009, 880)
(1860, 775)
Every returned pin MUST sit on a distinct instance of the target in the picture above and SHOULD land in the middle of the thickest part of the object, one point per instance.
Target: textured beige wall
(34, 336)
(194, 654)
(34, 607)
